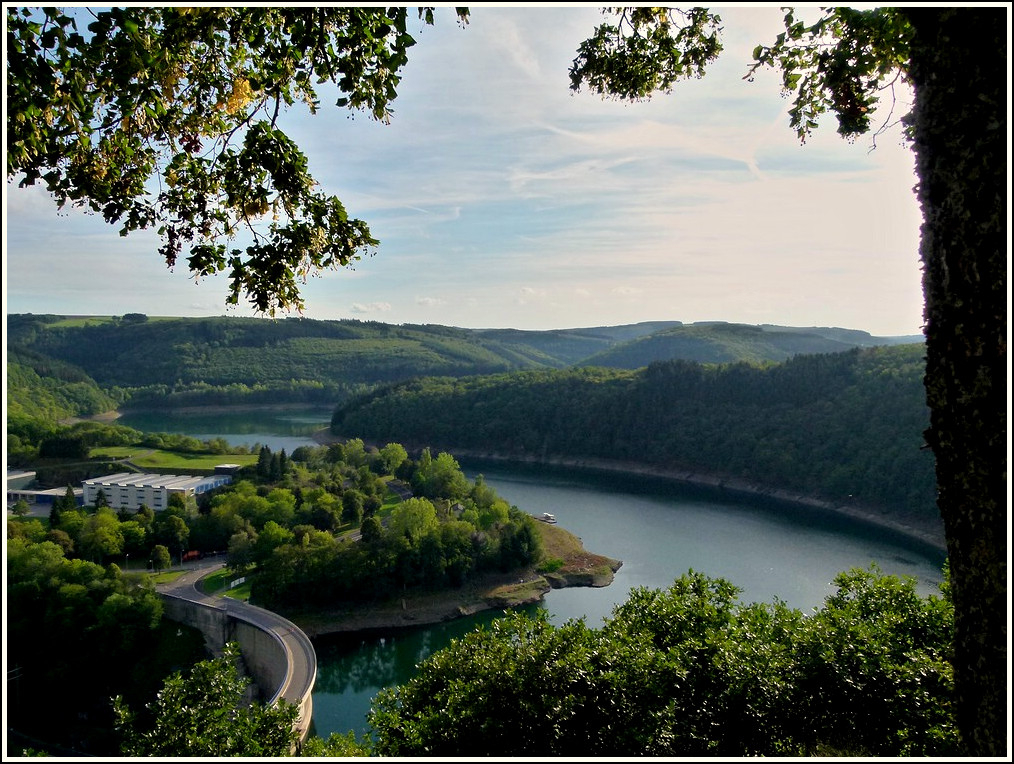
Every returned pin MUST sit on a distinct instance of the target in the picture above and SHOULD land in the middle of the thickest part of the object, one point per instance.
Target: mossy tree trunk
(959, 72)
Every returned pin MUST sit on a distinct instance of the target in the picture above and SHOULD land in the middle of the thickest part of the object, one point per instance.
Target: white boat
(548, 518)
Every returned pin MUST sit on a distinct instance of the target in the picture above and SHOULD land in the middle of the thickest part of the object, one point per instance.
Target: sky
(502, 199)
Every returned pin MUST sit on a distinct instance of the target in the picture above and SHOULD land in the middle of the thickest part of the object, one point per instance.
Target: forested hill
(724, 343)
(845, 427)
(150, 362)
(46, 388)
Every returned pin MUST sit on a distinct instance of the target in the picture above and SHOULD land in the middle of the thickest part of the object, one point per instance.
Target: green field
(79, 321)
(155, 459)
(165, 576)
(218, 583)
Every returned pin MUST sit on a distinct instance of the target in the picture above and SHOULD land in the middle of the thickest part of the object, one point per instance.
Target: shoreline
(491, 591)
(239, 407)
(931, 537)
(864, 514)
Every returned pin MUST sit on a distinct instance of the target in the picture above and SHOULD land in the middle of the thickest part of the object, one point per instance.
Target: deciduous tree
(169, 118)
(101, 537)
(691, 672)
(393, 455)
(172, 532)
(240, 554)
(413, 519)
(160, 559)
(205, 714)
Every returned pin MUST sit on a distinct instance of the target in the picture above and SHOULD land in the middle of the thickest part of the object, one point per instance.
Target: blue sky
(501, 199)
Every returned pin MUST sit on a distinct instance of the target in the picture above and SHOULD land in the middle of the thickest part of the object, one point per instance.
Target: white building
(129, 490)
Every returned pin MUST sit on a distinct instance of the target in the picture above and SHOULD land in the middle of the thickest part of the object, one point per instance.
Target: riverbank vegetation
(186, 718)
(40, 387)
(689, 671)
(360, 533)
(290, 519)
(844, 427)
(432, 530)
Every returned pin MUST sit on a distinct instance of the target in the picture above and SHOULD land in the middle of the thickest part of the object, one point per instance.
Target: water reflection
(375, 659)
(353, 668)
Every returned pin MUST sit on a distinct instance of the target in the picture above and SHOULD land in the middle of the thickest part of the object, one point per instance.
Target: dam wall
(277, 655)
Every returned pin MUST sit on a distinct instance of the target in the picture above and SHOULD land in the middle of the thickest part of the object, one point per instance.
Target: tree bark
(959, 72)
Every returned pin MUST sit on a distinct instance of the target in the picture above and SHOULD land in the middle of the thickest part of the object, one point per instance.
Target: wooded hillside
(155, 362)
(846, 427)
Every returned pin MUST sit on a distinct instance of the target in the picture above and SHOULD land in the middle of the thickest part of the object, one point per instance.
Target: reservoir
(658, 528)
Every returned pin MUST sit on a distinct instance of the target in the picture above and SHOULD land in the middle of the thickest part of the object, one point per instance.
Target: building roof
(148, 480)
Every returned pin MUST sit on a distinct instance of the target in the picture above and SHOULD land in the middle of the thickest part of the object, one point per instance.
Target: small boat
(548, 518)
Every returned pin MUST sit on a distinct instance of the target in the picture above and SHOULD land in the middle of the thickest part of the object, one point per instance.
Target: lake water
(659, 530)
(282, 429)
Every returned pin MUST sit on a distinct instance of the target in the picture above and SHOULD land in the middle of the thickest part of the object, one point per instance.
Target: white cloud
(512, 47)
(372, 307)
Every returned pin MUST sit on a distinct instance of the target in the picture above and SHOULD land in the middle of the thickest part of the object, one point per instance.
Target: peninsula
(565, 563)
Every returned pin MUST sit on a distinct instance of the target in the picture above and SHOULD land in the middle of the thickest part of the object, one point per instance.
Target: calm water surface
(659, 530)
(288, 429)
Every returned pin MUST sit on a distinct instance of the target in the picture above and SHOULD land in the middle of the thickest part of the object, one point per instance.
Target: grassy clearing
(558, 543)
(177, 460)
(564, 558)
(113, 452)
(166, 576)
(77, 321)
(156, 459)
(219, 581)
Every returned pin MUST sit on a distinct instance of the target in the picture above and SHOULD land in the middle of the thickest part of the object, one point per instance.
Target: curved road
(302, 659)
